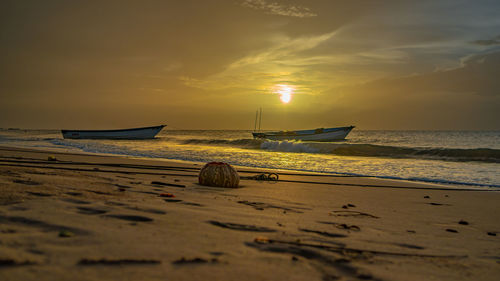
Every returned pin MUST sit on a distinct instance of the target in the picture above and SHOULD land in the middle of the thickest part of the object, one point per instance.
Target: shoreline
(437, 183)
(115, 218)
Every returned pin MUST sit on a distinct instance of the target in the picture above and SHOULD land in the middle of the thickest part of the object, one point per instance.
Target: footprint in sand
(172, 200)
(74, 193)
(330, 266)
(40, 194)
(342, 225)
(181, 202)
(409, 246)
(75, 201)
(124, 177)
(438, 204)
(91, 211)
(130, 218)
(192, 204)
(351, 214)
(323, 233)
(99, 192)
(262, 206)
(241, 227)
(122, 186)
(147, 210)
(27, 182)
(159, 183)
(42, 226)
(111, 203)
(349, 205)
(118, 262)
(146, 192)
(6, 262)
(184, 261)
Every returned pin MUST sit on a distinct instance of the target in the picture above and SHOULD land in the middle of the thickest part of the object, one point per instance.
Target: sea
(466, 158)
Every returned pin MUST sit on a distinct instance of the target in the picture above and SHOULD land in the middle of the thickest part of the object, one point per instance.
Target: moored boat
(320, 134)
(134, 133)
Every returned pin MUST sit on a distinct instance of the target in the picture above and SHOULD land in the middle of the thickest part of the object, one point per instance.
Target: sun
(285, 92)
(285, 97)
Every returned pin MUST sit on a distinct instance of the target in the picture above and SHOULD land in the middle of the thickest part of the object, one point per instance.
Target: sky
(396, 65)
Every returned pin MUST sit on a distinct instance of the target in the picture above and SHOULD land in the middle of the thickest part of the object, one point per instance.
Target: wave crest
(242, 143)
(369, 150)
(289, 146)
(356, 149)
(454, 154)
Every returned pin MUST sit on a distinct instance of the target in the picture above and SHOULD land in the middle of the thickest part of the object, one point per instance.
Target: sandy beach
(90, 217)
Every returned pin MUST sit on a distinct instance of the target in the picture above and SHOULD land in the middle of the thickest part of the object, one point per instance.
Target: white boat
(135, 133)
(320, 134)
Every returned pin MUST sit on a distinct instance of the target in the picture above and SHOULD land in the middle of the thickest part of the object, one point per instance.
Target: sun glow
(285, 93)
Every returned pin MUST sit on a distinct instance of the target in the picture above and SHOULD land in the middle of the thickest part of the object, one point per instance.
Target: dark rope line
(92, 170)
(132, 166)
(158, 167)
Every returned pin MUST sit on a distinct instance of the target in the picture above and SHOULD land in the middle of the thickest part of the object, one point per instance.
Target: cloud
(275, 8)
(172, 67)
(464, 97)
(285, 47)
(280, 63)
(488, 42)
(301, 62)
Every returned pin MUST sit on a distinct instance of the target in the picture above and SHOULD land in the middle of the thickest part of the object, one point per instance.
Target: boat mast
(260, 118)
(255, 125)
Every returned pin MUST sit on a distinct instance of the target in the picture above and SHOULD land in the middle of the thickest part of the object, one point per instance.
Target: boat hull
(330, 134)
(135, 133)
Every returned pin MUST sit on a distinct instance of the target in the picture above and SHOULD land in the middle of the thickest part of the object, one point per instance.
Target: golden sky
(212, 64)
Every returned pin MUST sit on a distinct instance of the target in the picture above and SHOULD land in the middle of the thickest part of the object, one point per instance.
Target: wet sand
(89, 217)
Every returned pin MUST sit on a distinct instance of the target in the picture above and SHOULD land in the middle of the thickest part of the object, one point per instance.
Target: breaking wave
(369, 150)
(453, 154)
(242, 143)
(488, 155)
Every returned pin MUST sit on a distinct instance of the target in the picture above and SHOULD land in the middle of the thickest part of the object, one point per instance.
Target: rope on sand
(152, 167)
(263, 177)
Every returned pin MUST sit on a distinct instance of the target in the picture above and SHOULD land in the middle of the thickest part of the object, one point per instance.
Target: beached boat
(135, 133)
(321, 134)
